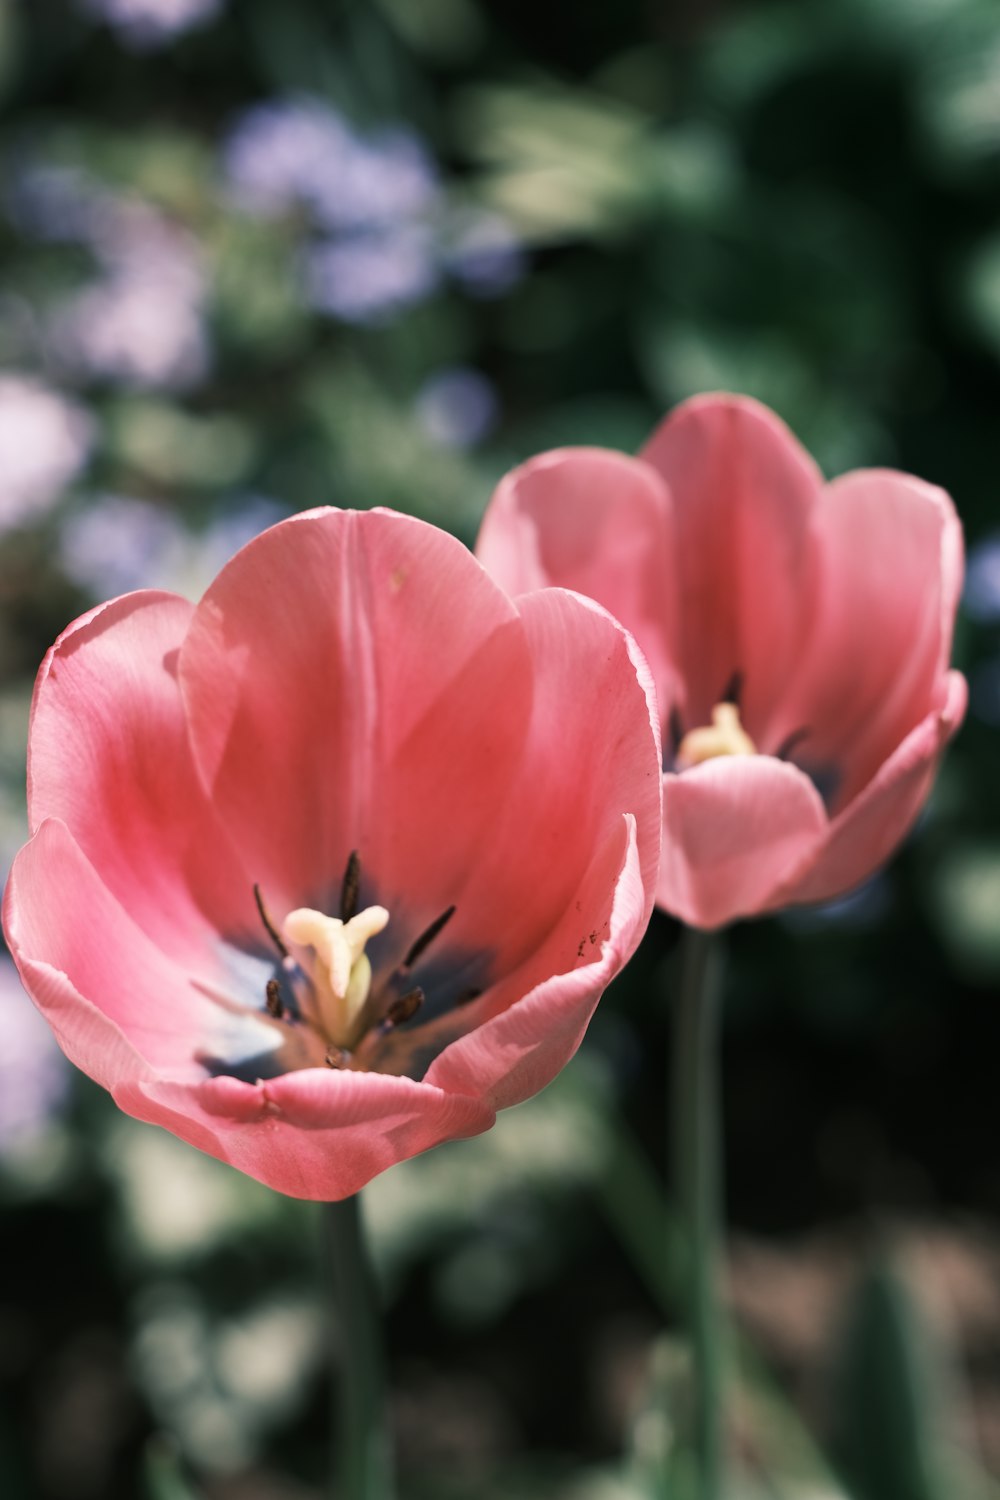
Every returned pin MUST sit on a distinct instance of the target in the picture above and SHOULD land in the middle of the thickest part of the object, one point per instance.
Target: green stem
(694, 1134)
(362, 1459)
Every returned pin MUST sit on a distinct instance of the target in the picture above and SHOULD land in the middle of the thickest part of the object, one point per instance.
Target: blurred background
(258, 255)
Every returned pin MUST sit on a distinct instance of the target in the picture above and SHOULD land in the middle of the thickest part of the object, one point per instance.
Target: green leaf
(163, 1477)
(890, 1397)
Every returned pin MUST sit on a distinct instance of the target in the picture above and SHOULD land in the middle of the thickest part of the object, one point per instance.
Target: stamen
(337, 1057)
(269, 926)
(733, 690)
(427, 937)
(791, 742)
(351, 887)
(275, 1004)
(465, 997)
(403, 1009)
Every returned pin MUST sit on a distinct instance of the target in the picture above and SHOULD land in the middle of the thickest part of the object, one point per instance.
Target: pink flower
(798, 634)
(453, 848)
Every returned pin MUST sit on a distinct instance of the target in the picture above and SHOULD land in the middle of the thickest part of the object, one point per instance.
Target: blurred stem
(362, 1459)
(696, 1172)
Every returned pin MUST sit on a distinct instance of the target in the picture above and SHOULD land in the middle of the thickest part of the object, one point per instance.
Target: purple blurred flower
(457, 407)
(142, 323)
(45, 440)
(486, 256)
(116, 544)
(150, 23)
(34, 1074)
(135, 329)
(300, 152)
(50, 202)
(366, 278)
(982, 580)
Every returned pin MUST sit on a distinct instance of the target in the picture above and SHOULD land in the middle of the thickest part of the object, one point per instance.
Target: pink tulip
(798, 633)
(454, 849)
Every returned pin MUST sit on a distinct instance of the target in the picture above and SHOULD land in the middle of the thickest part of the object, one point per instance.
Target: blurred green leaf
(164, 1480)
(966, 884)
(890, 1397)
(171, 447)
(559, 162)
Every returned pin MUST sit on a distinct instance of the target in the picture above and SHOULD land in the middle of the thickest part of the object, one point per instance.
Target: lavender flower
(143, 24)
(982, 581)
(300, 153)
(117, 543)
(142, 322)
(486, 256)
(457, 407)
(45, 440)
(51, 202)
(366, 278)
(34, 1074)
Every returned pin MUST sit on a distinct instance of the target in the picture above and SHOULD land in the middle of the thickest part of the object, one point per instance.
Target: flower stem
(697, 1184)
(362, 1459)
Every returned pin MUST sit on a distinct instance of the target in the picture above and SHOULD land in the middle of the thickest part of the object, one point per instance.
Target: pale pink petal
(110, 995)
(109, 755)
(525, 1043)
(737, 830)
(323, 668)
(889, 554)
(601, 523)
(864, 835)
(318, 1133)
(743, 491)
(590, 753)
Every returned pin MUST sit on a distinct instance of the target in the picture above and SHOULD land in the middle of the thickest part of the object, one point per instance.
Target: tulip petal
(590, 753)
(889, 555)
(743, 491)
(543, 1009)
(116, 1003)
(324, 672)
(598, 522)
(128, 787)
(737, 829)
(318, 1133)
(864, 835)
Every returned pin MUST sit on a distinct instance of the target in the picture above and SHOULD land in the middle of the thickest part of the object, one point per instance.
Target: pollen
(340, 970)
(724, 736)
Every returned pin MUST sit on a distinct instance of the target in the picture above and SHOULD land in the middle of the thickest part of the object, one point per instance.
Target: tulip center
(724, 736)
(340, 970)
(329, 1004)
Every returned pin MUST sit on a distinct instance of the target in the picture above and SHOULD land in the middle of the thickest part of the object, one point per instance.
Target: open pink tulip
(798, 633)
(334, 864)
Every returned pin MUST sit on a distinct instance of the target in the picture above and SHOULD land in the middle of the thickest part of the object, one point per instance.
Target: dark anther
(269, 926)
(275, 1004)
(351, 886)
(404, 1009)
(791, 742)
(733, 691)
(675, 728)
(426, 938)
(336, 1057)
(464, 997)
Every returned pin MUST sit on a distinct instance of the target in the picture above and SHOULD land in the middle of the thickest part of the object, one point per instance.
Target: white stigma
(341, 972)
(724, 736)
